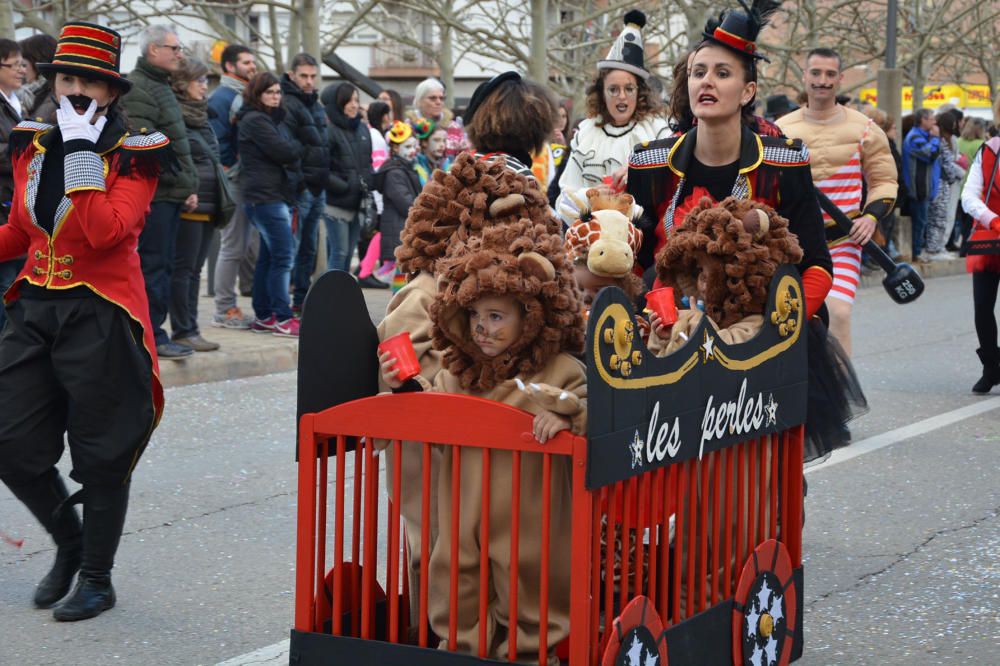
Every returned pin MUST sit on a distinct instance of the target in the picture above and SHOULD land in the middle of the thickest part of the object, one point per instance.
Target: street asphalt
(902, 543)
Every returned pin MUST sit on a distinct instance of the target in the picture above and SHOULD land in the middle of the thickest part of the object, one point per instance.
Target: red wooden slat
(546, 537)
(484, 555)
(338, 537)
(456, 487)
(392, 562)
(425, 538)
(515, 547)
(305, 592)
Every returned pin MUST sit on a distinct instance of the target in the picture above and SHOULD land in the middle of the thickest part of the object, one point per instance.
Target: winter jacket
(350, 156)
(399, 185)
(151, 105)
(223, 104)
(8, 119)
(205, 154)
(38, 102)
(269, 162)
(306, 121)
(921, 166)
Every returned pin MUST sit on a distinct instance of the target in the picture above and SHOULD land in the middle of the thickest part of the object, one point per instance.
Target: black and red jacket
(774, 171)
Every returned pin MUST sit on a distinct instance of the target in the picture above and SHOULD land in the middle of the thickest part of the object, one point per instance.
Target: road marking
(906, 432)
(278, 653)
(272, 654)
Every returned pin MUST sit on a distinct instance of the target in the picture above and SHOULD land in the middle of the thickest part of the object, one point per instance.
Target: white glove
(76, 126)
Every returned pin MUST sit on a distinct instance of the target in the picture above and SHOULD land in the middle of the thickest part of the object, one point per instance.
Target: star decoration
(636, 448)
(708, 346)
(772, 410)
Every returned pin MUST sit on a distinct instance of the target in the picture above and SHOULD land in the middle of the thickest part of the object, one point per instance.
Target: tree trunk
(293, 44)
(310, 28)
(538, 66)
(7, 17)
(446, 62)
(272, 16)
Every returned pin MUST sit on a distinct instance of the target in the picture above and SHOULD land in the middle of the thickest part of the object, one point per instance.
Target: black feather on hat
(738, 29)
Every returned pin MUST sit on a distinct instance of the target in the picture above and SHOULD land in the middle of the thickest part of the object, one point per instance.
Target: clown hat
(738, 29)
(399, 132)
(423, 127)
(626, 53)
(91, 51)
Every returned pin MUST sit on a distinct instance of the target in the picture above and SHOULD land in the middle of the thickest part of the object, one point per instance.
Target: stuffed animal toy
(725, 255)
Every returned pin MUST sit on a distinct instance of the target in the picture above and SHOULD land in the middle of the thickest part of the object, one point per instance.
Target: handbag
(367, 215)
(226, 200)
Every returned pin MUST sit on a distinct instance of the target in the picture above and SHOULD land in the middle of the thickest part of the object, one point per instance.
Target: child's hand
(387, 364)
(662, 332)
(547, 424)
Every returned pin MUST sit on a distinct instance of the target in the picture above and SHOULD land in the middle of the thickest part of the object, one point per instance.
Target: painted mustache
(82, 102)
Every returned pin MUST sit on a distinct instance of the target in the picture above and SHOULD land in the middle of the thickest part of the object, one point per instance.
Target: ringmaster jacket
(96, 224)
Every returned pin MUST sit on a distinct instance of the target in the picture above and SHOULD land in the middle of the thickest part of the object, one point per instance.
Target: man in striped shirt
(853, 166)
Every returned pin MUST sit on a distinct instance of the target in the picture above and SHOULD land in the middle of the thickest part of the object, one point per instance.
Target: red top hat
(91, 51)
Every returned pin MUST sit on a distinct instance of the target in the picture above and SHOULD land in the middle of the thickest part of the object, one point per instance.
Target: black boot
(43, 497)
(991, 370)
(103, 519)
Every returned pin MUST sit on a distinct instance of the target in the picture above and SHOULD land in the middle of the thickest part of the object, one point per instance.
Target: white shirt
(972, 192)
(13, 100)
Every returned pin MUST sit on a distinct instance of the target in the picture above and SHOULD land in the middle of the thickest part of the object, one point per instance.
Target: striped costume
(853, 166)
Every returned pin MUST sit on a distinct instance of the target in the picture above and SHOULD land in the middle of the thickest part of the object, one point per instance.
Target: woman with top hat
(722, 156)
(77, 357)
(622, 112)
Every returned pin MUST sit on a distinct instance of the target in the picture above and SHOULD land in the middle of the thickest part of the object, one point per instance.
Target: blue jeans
(918, 214)
(341, 240)
(310, 207)
(274, 260)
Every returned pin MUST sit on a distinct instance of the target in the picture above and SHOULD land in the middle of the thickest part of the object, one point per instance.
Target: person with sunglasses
(622, 112)
(151, 104)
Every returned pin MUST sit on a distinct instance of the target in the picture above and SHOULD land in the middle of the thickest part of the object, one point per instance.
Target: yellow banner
(963, 96)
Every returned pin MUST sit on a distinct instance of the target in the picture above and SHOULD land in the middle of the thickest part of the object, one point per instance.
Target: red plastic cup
(406, 357)
(661, 301)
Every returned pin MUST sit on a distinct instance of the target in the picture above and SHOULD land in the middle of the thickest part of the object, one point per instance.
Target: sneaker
(263, 325)
(172, 351)
(286, 329)
(372, 282)
(942, 256)
(234, 318)
(197, 343)
(385, 272)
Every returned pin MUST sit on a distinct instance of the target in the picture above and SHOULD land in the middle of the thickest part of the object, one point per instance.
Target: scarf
(195, 113)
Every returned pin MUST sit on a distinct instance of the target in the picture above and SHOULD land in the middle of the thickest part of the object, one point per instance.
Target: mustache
(819, 87)
(82, 102)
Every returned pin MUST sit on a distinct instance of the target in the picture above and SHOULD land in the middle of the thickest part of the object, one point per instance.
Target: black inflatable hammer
(902, 281)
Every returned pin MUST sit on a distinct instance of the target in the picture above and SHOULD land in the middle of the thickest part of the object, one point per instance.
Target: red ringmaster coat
(97, 224)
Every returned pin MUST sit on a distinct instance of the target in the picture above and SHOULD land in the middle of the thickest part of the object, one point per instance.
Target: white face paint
(408, 149)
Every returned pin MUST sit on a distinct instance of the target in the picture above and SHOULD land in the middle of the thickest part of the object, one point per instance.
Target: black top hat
(91, 51)
(738, 29)
(779, 105)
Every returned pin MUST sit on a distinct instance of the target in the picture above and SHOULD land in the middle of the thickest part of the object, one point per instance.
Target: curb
(244, 354)
(933, 269)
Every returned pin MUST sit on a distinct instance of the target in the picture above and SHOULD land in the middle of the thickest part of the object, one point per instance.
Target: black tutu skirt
(835, 396)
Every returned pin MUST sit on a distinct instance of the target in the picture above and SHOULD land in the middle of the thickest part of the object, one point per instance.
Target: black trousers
(75, 367)
(157, 244)
(193, 240)
(984, 302)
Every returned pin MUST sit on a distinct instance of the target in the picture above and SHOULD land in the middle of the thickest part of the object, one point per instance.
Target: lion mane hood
(522, 259)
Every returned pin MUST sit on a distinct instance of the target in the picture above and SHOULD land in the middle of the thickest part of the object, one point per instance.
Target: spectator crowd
(264, 159)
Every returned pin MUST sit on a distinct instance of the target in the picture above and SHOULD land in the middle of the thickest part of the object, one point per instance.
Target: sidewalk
(246, 354)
